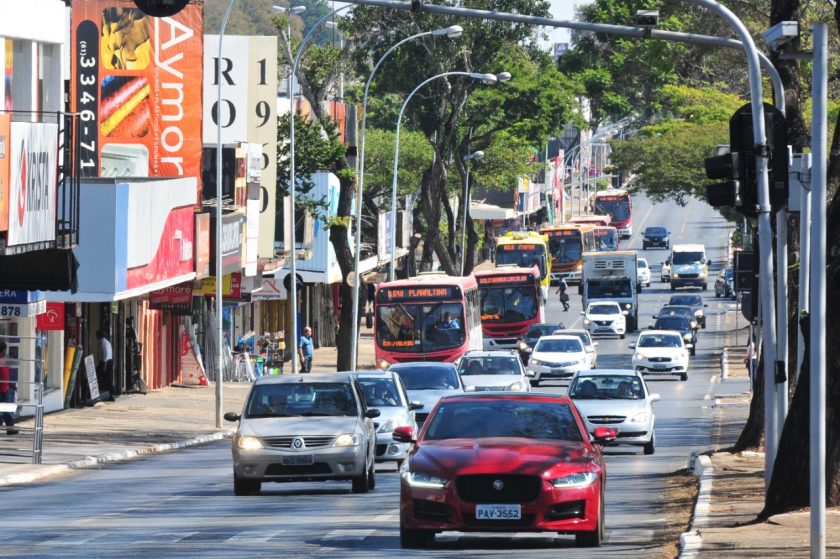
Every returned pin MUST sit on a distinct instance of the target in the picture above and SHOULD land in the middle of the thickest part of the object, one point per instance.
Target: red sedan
(511, 462)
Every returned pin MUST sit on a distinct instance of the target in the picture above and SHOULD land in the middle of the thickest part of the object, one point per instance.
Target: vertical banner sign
(32, 188)
(90, 373)
(5, 128)
(137, 88)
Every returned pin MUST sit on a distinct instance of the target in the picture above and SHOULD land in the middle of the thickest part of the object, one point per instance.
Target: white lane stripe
(71, 539)
(165, 537)
(348, 535)
(387, 517)
(254, 536)
(629, 535)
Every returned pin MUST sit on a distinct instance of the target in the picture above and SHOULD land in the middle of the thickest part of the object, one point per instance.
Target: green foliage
(416, 155)
(505, 159)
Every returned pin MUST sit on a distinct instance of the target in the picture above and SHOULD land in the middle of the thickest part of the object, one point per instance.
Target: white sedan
(605, 317)
(618, 399)
(661, 352)
(556, 357)
(643, 271)
(492, 370)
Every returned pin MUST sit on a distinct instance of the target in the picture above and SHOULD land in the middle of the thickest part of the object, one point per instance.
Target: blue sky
(562, 9)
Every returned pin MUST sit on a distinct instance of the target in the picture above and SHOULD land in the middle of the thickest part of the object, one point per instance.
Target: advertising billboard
(137, 88)
(32, 185)
(5, 121)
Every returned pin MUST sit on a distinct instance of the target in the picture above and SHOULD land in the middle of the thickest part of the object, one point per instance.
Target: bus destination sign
(611, 198)
(515, 279)
(418, 294)
(518, 247)
(564, 233)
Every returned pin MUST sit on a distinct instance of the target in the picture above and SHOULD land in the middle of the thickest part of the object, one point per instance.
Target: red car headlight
(580, 479)
(419, 479)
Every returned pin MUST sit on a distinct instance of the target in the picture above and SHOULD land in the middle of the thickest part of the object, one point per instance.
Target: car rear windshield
(428, 378)
(541, 330)
(606, 387)
(301, 399)
(479, 419)
(489, 366)
(380, 392)
(690, 300)
(559, 346)
(672, 323)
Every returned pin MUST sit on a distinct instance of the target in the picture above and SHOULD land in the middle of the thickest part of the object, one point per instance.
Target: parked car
(685, 326)
(696, 304)
(557, 357)
(665, 271)
(426, 383)
(534, 333)
(483, 464)
(656, 237)
(618, 398)
(589, 345)
(661, 352)
(725, 283)
(679, 310)
(492, 370)
(643, 271)
(605, 318)
(304, 428)
(384, 391)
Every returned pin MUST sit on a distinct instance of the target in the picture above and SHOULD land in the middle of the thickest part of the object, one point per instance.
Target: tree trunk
(472, 243)
(753, 433)
(345, 258)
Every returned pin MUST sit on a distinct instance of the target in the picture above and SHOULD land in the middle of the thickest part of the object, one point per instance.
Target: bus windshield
(420, 327)
(606, 239)
(565, 249)
(522, 257)
(618, 210)
(508, 304)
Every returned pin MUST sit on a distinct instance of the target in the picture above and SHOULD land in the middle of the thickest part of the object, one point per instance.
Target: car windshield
(420, 377)
(541, 330)
(606, 387)
(301, 399)
(681, 258)
(380, 392)
(642, 263)
(659, 340)
(583, 335)
(604, 309)
(655, 231)
(673, 323)
(688, 300)
(508, 304)
(559, 346)
(489, 366)
(420, 327)
(486, 418)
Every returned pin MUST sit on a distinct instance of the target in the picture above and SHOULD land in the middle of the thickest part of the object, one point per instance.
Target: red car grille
(483, 488)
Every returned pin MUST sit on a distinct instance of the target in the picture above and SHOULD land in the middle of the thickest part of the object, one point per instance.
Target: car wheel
(361, 484)
(596, 536)
(243, 486)
(372, 477)
(684, 376)
(650, 446)
(535, 383)
(705, 286)
(412, 539)
(400, 463)
(644, 246)
(673, 287)
(621, 336)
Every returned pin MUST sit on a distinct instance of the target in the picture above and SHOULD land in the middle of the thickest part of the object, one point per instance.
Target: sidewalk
(731, 492)
(136, 425)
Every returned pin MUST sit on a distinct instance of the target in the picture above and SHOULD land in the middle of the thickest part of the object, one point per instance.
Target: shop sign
(32, 186)
(52, 318)
(177, 299)
(231, 286)
(17, 303)
(231, 242)
(202, 245)
(5, 122)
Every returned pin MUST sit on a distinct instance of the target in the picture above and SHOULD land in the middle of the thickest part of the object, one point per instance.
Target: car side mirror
(232, 416)
(403, 434)
(689, 346)
(625, 313)
(604, 434)
(632, 346)
(705, 304)
(414, 406)
(654, 397)
(372, 413)
(594, 344)
(654, 317)
(582, 313)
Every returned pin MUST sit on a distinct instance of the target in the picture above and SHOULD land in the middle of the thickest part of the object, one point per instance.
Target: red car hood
(453, 457)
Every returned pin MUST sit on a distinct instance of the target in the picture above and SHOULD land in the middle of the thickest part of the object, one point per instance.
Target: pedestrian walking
(306, 350)
(105, 360)
(7, 391)
(564, 297)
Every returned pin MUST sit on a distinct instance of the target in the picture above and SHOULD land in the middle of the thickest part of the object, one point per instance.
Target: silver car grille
(312, 441)
(605, 419)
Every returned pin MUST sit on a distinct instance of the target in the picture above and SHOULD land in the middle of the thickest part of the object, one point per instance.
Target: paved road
(182, 504)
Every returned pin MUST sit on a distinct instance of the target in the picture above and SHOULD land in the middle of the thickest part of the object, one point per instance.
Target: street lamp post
(474, 156)
(488, 79)
(293, 242)
(451, 32)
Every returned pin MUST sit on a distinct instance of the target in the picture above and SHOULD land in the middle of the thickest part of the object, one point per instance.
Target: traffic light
(727, 167)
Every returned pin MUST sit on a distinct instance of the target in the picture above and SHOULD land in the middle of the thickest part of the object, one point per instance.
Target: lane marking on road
(387, 517)
(72, 539)
(631, 535)
(349, 535)
(255, 536)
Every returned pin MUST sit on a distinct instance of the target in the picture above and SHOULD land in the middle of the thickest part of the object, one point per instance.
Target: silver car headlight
(641, 417)
(638, 357)
(534, 361)
(687, 337)
(419, 479)
(586, 321)
(386, 427)
(249, 443)
(346, 439)
(523, 346)
(698, 313)
(580, 479)
(515, 387)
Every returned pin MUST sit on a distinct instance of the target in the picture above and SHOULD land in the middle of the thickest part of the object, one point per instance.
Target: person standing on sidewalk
(7, 391)
(105, 359)
(306, 349)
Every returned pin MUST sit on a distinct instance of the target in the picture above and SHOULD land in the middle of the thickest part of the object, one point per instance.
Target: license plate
(660, 367)
(301, 460)
(558, 371)
(498, 512)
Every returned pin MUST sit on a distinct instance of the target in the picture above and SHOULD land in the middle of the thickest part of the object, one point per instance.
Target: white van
(689, 266)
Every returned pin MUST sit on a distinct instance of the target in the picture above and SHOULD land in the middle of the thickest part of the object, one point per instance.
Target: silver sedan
(385, 391)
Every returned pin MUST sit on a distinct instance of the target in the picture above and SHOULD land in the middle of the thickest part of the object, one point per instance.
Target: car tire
(242, 486)
(705, 286)
(361, 484)
(644, 246)
(595, 537)
(673, 287)
(372, 477)
(413, 539)
(535, 383)
(650, 446)
(621, 336)
(684, 376)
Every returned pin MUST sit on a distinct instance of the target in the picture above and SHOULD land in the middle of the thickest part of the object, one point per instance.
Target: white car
(605, 318)
(661, 352)
(493, 370)
(643, 272)
(588, 344)
(665, 274)
(557, 356)
(618, 399)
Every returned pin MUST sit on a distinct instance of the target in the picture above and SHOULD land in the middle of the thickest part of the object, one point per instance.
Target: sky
(562, 9)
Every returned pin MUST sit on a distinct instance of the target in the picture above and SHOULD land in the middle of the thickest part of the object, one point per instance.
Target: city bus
(526, 249)
(591, 219)
(431, 317)
(606, 238)
(617, 204)
(566, 244)
(511, 303)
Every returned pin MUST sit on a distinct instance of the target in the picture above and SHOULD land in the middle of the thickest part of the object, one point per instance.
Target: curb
(122, 456)
(691, 541)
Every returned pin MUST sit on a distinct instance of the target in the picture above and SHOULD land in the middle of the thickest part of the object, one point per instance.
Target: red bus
(511, 302)
(618, 205)
(567, 243)
(603, 220)
(431, 317)
(606, 238)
